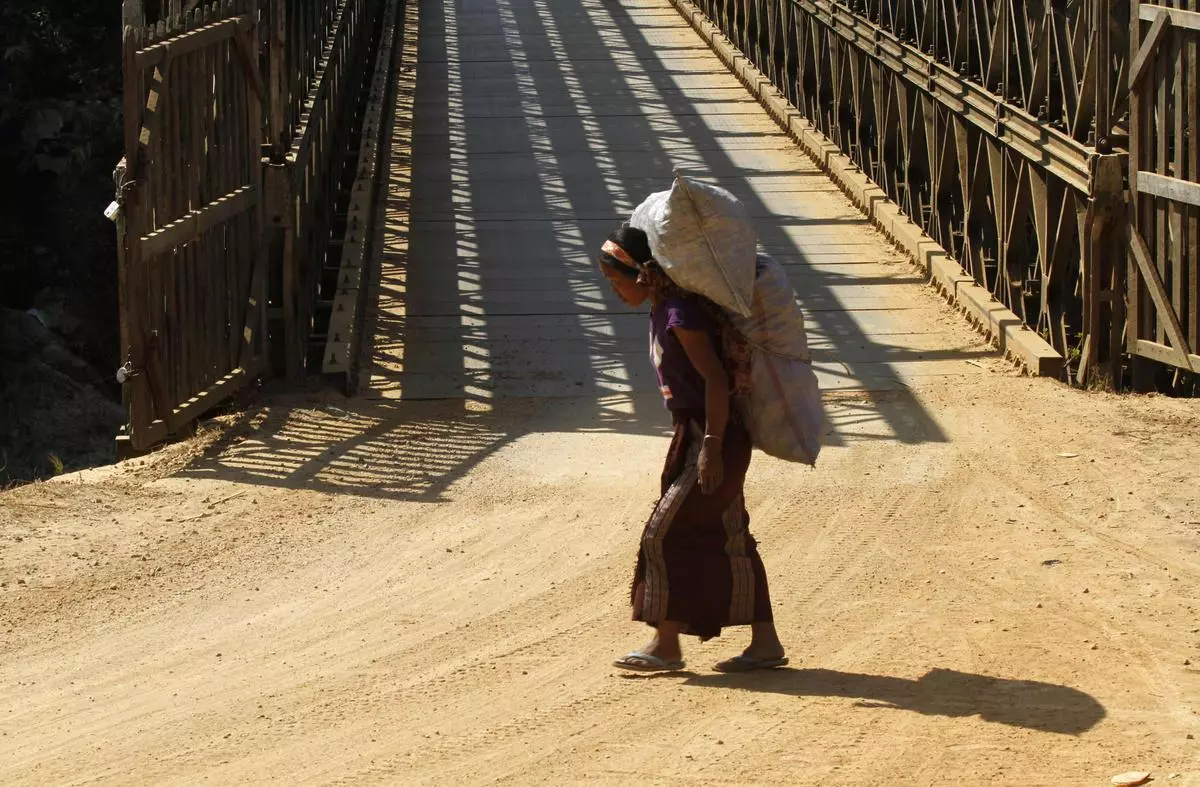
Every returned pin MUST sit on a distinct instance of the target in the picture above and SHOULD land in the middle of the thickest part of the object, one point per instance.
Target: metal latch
(126, 372)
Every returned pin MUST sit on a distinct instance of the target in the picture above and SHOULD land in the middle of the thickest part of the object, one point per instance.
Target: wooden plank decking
(537, 126)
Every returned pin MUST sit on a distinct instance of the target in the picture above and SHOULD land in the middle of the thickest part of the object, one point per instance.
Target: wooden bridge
(408, 195)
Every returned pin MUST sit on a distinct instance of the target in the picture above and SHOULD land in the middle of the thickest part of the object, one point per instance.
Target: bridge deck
(538, 127)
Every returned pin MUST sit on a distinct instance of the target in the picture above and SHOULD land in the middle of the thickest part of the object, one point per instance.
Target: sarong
(698, 564)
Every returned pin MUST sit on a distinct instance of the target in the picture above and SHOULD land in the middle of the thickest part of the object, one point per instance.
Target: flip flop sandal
(645, 662)
(749, 664)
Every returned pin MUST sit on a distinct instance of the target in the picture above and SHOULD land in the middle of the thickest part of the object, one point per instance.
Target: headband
(628, 266)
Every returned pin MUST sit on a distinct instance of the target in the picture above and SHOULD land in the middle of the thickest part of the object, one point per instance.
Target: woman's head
(628, 264)
(622, 259)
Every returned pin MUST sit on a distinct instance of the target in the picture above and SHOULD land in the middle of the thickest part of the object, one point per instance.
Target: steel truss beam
(979, 118)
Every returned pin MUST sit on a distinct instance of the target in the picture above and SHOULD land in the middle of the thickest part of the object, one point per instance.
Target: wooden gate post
(277, 89)
(1102, 266)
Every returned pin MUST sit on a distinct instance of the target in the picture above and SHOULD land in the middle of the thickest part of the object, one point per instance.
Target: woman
(698, 568)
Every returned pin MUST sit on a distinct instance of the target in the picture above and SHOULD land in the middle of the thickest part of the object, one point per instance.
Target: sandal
(645, 662)
(746, 663)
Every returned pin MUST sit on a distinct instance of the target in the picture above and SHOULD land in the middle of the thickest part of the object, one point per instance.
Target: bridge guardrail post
(279, 228)
(1032, 119)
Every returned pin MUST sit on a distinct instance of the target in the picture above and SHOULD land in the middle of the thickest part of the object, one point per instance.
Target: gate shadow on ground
(417, 450)
(1046, 707)
(408, 451)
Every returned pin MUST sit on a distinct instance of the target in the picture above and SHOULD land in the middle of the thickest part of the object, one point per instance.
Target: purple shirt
(681, 385)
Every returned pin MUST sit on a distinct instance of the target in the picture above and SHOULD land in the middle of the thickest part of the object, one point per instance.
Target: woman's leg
(764, 639)
(665, 642)
(764, 642)
(765, 649)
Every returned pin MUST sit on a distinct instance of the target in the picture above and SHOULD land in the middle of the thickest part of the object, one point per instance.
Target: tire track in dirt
(831, 556)
(455, 752)
(1116, 568)
(1080, 527)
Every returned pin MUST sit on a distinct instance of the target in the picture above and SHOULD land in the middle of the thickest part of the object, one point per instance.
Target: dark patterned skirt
(698, 564)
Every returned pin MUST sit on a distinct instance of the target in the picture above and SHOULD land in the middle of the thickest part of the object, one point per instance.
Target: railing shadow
(409, 451)
(496, 298)
(711, 143)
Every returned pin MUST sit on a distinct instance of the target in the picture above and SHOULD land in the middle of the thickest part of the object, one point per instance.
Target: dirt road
(354, 592)
(988, 579)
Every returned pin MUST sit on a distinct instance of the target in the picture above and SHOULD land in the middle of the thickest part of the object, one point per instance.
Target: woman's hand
(711, 466)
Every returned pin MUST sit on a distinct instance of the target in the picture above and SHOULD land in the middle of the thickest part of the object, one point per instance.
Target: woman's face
(629, 291)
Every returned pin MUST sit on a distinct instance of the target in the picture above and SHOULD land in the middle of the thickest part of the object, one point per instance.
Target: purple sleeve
(687, 314)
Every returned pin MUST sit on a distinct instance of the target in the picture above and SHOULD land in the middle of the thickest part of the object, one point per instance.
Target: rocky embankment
(55, 412)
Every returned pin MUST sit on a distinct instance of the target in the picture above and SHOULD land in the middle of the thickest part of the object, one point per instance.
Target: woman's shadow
(940, 692)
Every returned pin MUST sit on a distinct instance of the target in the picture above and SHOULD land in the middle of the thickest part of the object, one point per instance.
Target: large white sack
(782, 411)
(704, 240)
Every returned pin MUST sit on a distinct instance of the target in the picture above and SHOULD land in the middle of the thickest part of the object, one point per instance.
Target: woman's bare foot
(764, 642)
(661, 654)
(665, 642)
(765, 651)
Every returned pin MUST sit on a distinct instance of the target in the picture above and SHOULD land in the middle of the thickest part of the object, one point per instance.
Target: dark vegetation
(60, 137)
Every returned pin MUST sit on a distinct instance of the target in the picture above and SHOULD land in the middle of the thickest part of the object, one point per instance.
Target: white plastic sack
(782, 411)
(704, 240)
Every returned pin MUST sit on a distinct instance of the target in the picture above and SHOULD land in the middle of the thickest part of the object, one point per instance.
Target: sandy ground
(350, 592)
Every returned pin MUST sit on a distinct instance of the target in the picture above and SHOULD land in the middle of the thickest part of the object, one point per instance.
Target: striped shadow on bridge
(537, 126)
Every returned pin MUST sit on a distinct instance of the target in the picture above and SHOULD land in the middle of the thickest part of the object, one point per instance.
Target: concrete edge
(1001, 325)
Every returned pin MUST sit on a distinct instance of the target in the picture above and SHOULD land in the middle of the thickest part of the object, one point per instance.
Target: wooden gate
(190, 218)
(1164, 184)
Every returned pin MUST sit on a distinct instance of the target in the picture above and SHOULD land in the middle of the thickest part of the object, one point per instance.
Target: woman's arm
(700, 351)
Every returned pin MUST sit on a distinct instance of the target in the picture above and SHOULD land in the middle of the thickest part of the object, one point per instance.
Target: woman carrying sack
(698, 568)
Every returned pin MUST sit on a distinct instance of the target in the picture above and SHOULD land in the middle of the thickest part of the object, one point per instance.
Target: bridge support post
(1102, 230)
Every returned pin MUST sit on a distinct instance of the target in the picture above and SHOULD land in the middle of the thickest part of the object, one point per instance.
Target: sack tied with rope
(704, 240)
